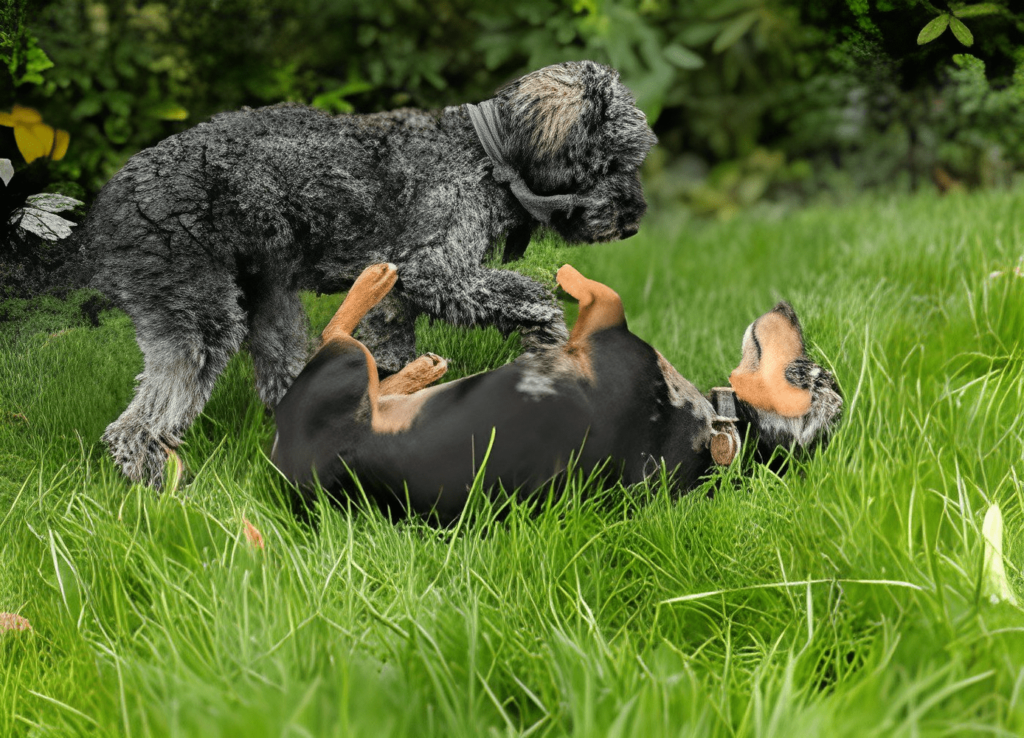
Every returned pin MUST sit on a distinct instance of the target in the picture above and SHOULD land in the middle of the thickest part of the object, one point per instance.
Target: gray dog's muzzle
(491, 132)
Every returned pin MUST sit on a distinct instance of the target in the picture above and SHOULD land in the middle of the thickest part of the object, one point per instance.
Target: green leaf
(87, 106)
(698, 34)
(933, 30)
(682, 57)
(332, 102)
(973, 11)
(735, 31)
(37, 60)
(970, 63)
(119, 102)
(117, 130)
(1017, 86)
(963, 33)
(721, 9)
(168, 111)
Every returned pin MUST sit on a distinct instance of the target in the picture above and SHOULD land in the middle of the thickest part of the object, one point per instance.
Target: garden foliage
(869, 87)
(751, 99)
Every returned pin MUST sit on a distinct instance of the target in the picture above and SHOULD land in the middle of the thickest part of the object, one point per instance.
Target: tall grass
(842, 599)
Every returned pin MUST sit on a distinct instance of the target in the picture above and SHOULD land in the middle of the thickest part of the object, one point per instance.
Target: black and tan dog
(603, 398)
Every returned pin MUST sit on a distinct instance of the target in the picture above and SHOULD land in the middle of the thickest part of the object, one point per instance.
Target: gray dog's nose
(628, 231)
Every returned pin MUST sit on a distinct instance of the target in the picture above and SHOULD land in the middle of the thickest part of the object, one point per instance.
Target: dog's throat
(491, 132)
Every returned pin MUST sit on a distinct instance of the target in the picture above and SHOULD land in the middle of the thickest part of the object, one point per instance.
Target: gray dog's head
(574, 129)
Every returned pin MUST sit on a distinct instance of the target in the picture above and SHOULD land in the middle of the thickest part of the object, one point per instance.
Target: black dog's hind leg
(389, 332)
(278, 341)
(507, 300)
(184, 353)
(333, 401)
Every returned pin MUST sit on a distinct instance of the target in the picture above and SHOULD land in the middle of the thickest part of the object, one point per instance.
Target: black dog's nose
(628, 231)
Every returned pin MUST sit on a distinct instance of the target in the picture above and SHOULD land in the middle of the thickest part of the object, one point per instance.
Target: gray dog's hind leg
(278, 342)
(181, 367)
(389, 332)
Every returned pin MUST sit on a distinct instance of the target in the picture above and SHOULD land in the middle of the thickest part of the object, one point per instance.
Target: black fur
(623, 422)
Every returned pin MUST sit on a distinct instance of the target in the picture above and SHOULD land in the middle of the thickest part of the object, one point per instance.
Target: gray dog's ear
(598, 91)
(547, 108)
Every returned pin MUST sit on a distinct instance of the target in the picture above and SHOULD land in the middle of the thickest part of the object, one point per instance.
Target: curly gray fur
(206, 239)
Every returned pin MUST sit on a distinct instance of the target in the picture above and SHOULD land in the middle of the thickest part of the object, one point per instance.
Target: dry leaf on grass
(253, 534)
(13, 621)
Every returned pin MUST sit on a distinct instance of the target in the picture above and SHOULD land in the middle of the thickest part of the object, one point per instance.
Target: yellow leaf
(60, 145)
(25, 116)
(33, 140)
(20, 116)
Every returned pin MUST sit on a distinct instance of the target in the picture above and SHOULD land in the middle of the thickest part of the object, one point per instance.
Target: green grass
(155, 616)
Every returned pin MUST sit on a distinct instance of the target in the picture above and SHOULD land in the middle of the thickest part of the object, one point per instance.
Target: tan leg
(600, 306)
(415, 375)
(369, 288)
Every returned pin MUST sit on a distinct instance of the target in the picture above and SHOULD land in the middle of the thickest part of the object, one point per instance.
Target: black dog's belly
(619, 420)
(436, 461)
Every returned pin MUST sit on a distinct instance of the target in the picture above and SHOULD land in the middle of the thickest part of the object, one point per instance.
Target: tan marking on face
(760, 380)
(369, 288)
(557, 100)
(414, 376)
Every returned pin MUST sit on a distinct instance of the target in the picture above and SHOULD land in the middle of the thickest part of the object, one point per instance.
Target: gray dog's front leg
(507, 300)
(389, 332)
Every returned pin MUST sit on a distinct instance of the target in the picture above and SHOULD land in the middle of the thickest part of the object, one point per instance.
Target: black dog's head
(789, 399)
(574, 129)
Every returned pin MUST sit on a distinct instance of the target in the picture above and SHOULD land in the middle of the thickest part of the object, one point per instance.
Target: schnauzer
(206, 239)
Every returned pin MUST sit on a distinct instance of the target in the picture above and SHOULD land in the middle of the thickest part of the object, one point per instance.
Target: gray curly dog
(206, 239)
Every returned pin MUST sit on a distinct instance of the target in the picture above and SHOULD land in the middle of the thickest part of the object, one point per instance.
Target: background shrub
(840, 81)
(752, 100)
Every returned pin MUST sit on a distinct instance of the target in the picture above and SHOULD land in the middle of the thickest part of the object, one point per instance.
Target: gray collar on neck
(491, 132)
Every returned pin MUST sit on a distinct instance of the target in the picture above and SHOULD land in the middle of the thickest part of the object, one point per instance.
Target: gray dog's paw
(141, 457)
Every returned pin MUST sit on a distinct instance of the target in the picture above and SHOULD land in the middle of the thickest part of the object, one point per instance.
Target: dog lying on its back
(604, 395)
(206, 239)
